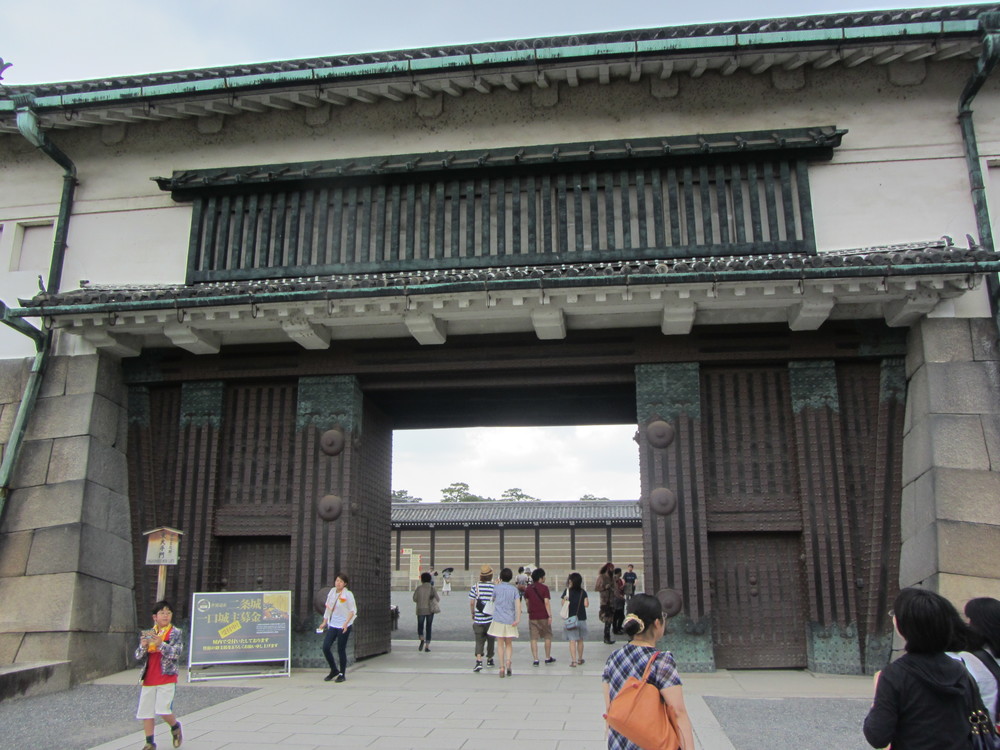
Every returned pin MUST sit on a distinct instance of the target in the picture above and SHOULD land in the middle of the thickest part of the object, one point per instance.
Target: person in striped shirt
(479, 595)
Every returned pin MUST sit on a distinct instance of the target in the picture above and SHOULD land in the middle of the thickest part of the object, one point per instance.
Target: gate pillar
(342, 519)
(832, 644)
(674, 520)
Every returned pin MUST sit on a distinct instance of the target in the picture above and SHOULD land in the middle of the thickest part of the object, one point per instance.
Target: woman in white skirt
(506, 616)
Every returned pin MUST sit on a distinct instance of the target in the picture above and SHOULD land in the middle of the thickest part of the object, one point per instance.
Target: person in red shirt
(159, 650)
(536, 594)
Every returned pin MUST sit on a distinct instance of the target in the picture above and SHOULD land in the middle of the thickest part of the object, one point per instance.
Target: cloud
(550, 463)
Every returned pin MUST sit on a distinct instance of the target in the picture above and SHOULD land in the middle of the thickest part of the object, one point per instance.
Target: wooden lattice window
(647, 199)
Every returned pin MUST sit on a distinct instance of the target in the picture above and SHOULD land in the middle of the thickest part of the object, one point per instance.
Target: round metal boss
(670, 600)
(330, 507)
(319, 600)
(332, 441)
(660, 433)
(663, 501)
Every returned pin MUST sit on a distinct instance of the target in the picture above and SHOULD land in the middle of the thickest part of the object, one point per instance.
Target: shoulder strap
(649, 666)
(990, 663)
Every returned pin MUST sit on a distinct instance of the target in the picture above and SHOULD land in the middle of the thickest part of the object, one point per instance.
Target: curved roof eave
(879, 37)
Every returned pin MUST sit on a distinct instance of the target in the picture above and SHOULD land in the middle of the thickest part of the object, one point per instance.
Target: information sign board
(232, 627)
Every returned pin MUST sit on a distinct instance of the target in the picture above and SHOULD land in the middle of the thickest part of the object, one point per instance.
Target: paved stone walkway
(408, 699)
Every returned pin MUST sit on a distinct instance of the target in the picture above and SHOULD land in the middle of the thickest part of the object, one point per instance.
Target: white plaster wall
(900, 175)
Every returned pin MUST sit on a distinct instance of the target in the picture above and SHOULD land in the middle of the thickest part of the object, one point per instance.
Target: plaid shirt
(630, 661)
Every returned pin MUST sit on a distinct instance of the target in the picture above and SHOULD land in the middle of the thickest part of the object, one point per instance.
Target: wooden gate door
(758, 601)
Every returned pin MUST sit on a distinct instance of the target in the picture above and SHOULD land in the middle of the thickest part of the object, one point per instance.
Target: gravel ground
(800, 723)
(90, 715)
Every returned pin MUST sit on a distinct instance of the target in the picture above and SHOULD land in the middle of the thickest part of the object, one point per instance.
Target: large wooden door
(758, 600)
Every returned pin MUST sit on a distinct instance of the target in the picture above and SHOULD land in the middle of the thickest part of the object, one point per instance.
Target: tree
(458, 492)
(404, 496)
(517, 495)
(591, 498)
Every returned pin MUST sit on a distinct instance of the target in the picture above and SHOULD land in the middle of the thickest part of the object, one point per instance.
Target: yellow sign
(230, 629)
(414, 567)
(163, 546)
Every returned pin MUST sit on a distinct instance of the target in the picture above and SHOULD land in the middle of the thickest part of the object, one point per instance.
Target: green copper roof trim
(233, 84)
(447, 287)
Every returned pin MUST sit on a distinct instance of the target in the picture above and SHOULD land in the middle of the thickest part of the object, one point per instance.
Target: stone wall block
(14, 550)
(65, 416)
(8, 413)
(946, 340)
(970, 496)
(33, 464)
(54, 382)
(955, 442)
(55, 549)
(985, 339)
(45, 646)
(13, 378)
(108, 510)
(91, 605)
(963, 387)
(10, 643)
(108, 467)
(916, 452)
(917, 400)
(991, 433)
(918, 559)
(105, 420)
(959, 589)
(69, 460)
(110, 382)
(39, 603)
(915, 348)
(82, 374)
(969, 549)
(105, 556)
(99, 654)
(123, 610)
(918, 505)
(45, 505)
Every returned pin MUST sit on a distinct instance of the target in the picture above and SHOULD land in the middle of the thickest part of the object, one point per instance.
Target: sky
(57, 40)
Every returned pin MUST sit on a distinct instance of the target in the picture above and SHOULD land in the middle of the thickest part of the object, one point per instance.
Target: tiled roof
(847, 20)
(617, 512)
(915, 259)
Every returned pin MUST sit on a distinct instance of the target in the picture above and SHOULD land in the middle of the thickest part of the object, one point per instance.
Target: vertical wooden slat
(337, 224)
(321, 252)
(222, 239)
(784, 187)
(456, 220)
(470, 219)
(292, 258)
(424, 215)
(532, 199)
(266, 220)
(546, 227)
(348, 253)
(739, 217)
(196, 245)
(236, 237)
(250, 236)
(640, 213)
(438, 250)
(307, 255)
(501, 214)
(595, 212)
(756, 234)
(705, 189)
(722, 208)
(805, 205)
(609, 209)
(485, 201)
(689, 214)
(626, 212)
(673, 207)
(280, 217)
(772, 208)
(562, 218)
(208, 245)
(365, 254)
(394, 227)
(515, 215)
(411, 221)
(379, 252)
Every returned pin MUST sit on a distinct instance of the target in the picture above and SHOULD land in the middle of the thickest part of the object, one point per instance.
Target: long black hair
(929, 622)
(984, 620)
